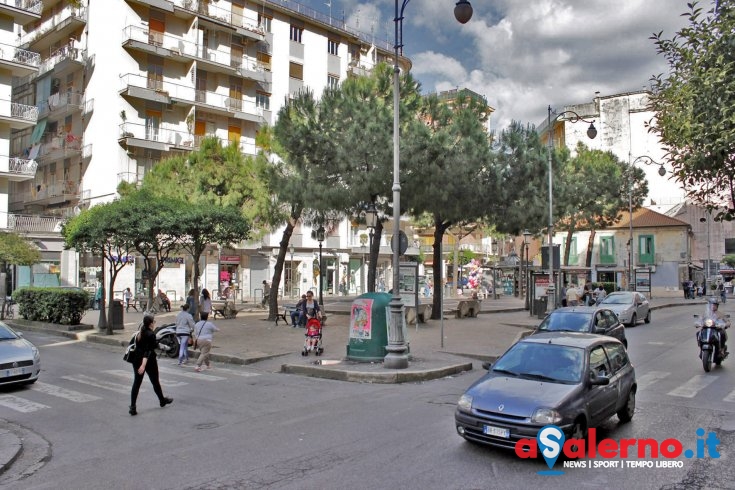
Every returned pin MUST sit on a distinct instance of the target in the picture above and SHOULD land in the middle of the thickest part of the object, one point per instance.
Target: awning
(38, 131)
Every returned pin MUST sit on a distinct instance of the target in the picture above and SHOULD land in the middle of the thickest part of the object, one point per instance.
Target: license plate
(13, 372)
(496, 431)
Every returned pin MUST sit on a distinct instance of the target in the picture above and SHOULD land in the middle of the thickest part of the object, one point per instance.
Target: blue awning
(38, 131)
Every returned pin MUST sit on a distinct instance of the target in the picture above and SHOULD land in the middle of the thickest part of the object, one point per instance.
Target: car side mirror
(487, 365)
(598, 380)
(599, 330)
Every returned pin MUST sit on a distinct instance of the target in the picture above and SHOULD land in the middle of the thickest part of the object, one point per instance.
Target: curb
(10, 448)
(395, 377)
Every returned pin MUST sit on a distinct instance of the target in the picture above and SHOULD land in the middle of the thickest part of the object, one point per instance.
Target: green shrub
(65, 306)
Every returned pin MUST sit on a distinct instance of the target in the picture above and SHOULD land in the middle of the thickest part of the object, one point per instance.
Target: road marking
(66, 342)
(190, 374)
(129, 376)
(660, 343)
(730, 397)
(650, 378)
(20, 404)
(105, 385)
(693, 386)
(60, 392)
(244, 374)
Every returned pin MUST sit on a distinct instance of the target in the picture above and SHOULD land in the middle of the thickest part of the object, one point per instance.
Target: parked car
(572, 380)
(629, 306)
(20, 361)
(585, 319)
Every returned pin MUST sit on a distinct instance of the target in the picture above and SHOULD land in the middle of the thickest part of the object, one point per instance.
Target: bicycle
(9, 312)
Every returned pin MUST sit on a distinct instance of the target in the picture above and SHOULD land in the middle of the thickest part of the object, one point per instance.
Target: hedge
(65, 306)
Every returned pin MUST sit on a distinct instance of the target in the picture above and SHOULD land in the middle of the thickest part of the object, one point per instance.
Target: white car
(20, 362)
(630, 307)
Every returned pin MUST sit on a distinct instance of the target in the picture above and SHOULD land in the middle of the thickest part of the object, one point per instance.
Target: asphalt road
(247, 427)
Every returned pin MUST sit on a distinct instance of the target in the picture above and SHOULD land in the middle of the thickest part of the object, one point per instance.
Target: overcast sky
(524, 55)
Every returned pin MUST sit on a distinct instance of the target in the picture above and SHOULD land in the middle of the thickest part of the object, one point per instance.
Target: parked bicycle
(9, 310)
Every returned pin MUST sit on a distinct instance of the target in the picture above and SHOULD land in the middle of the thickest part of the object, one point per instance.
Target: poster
(360, 319)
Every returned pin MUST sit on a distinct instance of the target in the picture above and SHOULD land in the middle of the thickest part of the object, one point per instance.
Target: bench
(286, 315)
(468, 308)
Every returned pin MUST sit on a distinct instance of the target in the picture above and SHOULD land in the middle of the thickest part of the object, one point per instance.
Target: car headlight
(36, 354)
(465, 403)
(545, 416)
(709, 322)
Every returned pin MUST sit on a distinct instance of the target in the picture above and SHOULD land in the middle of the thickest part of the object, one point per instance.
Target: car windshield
(6, 333)
(566, 321)
(618, 299)
(546, 362)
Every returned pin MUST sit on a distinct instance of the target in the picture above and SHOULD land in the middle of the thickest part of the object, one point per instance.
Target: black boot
(132, 410)
(166, 401)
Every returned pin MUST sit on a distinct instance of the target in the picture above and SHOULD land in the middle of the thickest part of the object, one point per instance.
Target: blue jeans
(183, 348)
(296, 314)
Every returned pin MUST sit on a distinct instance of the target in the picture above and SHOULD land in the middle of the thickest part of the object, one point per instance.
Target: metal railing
(175, 137)
(208, 10)
(67, 13)
(34, 223)
(18, 111)
(33, 6)
(21, 166)
(17, 55)
(67, 52)
(48, 191)
(60, 102)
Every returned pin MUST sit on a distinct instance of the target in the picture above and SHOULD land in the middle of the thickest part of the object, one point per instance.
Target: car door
(613, 327)
(601, 400)
(622, 374)
(641, 305)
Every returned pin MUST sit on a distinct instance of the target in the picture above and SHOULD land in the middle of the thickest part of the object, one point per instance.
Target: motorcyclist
(713, 305)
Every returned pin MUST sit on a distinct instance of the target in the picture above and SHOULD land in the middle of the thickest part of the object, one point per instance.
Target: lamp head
(591, 131)
(661, 171)
(463, 11)
(320, 234)
(526, 236)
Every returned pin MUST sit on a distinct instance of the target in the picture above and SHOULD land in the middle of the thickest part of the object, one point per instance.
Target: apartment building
(123, 84)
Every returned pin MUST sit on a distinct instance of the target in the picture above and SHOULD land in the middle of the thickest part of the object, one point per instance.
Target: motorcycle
(709, 338)
(167, 340)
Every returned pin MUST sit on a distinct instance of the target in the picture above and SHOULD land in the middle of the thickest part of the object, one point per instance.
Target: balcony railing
(65, 143)
(67, 13)
(17, 55)
(184, 47)
(208, 10)
(159, 134)
(60, 102)
(32, 6)
(34, 223)
(18, 111)
(21, 166)
(67, 52)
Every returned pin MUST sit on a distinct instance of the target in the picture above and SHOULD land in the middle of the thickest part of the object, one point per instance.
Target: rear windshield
(618, 299)
(567, 321)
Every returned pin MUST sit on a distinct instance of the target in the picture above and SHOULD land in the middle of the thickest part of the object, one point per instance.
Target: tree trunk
(373, 257)
(436, 310)
(102, 323)
(278, 271)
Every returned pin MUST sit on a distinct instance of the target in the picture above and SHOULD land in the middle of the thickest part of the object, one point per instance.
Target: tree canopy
(14, 249)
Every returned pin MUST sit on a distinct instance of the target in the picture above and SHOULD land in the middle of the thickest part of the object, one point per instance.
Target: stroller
(313, 340)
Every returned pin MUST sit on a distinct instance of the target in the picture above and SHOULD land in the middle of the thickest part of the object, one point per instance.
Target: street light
(526, 241)
(292, 272)
(397, 357)
(591, 133)
(371, 220)
(320, 239)
(702, 220)
(631, 250)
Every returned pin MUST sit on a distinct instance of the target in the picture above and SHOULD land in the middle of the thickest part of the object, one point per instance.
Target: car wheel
(633, 321)
(579, 431)
(625, 414)
(648, 317)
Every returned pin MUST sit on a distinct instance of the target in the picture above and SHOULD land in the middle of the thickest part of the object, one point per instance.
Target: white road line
(730, 397)
(693, 386)
(650, 378)
(60, 392)
(56, 344)
(105, 385)
(129, 376)
(190, 373)
(244, 374)
(20, 404)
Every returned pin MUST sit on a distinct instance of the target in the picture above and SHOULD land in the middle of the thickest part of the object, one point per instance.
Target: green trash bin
(369, 327)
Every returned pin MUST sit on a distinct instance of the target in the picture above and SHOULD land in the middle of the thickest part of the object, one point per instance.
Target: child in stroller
(313, 340)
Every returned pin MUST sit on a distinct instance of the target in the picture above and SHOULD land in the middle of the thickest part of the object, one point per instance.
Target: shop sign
(229, 259)
(173, 261)
(125, 259)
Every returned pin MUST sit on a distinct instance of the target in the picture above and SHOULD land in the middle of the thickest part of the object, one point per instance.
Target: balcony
(212, 60)
(59, 146)
(63, 60)
(58, 27)
(19, 61)
(161, 138)
(17, 169)
(230, 106)
(55, 193)
(60, 105)
(28, 223)
(219, 16)
(22, 11)
(19, 116)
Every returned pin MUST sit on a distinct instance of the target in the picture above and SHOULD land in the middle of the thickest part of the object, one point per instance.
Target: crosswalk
(690, 388)
(85, 388)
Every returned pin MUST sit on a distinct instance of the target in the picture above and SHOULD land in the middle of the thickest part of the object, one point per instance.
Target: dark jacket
(306, 313)
(146, 345)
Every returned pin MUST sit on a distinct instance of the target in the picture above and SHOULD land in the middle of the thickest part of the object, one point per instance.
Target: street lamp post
(397, 357)
(591, 134)
(320, 239)
(291, 249)
(702, 220)
(371, 220)
(631, 249)
(526, 275)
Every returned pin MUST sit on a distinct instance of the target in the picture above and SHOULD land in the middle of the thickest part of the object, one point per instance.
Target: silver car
(20, 362)
(630, 307)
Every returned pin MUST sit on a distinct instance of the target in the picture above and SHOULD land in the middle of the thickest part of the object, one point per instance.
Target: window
(573, 256)
(598, 362)
(332, 47)
(646, 251)
(263, 100)
(264, 22)
(332, 81)
(296, 33)
(264, 60)
(607, 250)
(617, 355)
(296, 71)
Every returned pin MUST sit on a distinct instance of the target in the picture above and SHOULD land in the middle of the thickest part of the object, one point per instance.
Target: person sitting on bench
(296, 313)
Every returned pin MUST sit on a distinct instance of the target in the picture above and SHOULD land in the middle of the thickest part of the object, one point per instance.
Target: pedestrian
(721, 290)
(310, 308)
(266, 293)
(184, 329)
(191, 300)
(204, 331)
(572, 295)
(128, 297)
(564, 295)
(205, 304)
(145, 362)
(296, 315)
(600, 294)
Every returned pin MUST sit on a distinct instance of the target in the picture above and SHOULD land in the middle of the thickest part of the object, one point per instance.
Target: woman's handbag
(190, 341)
(130, 353)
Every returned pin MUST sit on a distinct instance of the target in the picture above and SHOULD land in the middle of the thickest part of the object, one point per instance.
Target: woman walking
(145, 362)
(191, 300)
(205, 304)
(184, 329)
(204, 330)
